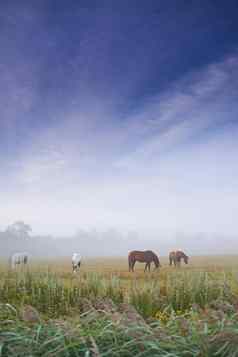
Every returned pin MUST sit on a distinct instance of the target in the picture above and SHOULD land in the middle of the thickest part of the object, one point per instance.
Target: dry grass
(170, 311)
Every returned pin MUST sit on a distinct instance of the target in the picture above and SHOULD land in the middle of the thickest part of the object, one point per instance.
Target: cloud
(93, 140)
(201, 101)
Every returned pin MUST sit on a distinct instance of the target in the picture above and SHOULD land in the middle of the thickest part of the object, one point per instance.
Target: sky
(119, 114)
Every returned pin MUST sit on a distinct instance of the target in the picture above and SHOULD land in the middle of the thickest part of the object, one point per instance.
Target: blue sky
(119, 114)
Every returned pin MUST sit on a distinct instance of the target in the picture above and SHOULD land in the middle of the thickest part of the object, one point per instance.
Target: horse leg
(145, 267)
(149, 266)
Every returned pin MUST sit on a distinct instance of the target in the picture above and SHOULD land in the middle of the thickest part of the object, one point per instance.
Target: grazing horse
(76, 261)
(18, 259)
(176, 257)
(143, 257)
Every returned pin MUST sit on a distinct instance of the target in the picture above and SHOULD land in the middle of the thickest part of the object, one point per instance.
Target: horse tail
(130, 260)
(170, 259)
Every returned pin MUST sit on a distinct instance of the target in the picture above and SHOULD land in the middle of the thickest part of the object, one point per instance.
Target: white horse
(18, 259)
(76, 261)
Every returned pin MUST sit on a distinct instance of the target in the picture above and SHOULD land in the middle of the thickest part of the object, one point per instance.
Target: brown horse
(143, 257)
(176, 257)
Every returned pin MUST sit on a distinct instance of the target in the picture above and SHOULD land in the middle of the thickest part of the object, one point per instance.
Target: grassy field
(104, 310)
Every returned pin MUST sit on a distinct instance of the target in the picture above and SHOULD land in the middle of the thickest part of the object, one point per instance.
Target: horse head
(185, 257)
(157, 262)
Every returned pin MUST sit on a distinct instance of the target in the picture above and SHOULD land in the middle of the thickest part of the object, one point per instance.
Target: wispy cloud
(203, 100)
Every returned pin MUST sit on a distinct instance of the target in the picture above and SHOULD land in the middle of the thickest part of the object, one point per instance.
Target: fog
(110, 243)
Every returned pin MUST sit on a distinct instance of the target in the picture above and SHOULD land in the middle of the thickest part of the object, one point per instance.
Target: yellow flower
(162, 316)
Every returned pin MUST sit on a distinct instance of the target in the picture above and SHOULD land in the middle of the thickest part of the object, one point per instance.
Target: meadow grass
(184, 309)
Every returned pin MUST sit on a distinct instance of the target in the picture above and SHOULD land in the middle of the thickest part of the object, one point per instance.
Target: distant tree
(19, 229)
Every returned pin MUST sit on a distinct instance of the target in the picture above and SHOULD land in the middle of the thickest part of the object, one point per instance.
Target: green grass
(177, 312)
(186, 335)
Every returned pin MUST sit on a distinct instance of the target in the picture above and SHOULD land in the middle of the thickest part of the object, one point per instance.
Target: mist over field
(112, 242)
(117, 130)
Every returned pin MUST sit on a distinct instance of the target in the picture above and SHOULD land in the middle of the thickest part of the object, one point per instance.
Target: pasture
(105, 310)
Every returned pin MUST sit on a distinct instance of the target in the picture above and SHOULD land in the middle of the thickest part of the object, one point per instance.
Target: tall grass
(56, 296)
